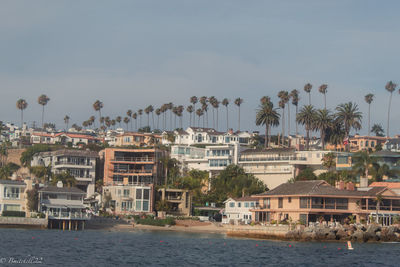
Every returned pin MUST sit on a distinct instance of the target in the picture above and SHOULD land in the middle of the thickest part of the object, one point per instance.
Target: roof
(71, 152)
(390, 185)
(55, 189)
(248, 198)
(139, 134)
(318, 188)
(12, 182)
(271, 150)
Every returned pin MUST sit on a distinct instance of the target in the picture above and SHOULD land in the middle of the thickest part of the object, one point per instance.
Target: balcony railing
(132, 171)
(68, 215)
(134, 159)
(274, 159)
(73, 163)
(11, 196)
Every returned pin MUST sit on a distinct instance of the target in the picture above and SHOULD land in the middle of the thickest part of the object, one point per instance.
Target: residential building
(137, 139)
(130, 199)
(206, 136)
(279, 165)
(133, 166)
(13, 195)
(237, 210)
(79, 163)
(360, 143)
(63, 206)
(312, 201)
(180, 201)
(65, 138)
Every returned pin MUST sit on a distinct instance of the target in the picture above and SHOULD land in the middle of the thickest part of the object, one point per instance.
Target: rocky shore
(354, 232)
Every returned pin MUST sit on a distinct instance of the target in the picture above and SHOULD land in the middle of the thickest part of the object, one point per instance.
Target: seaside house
(180, 201)
(63, 206)
(13, 195)
(79, 163)
(137, 139)
(237, 210)
(65, 138)
(313, 201)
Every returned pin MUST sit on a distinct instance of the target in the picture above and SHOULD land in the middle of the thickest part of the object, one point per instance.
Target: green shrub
(42, 215)
(150, 220)
(13, 213)
(194, 218)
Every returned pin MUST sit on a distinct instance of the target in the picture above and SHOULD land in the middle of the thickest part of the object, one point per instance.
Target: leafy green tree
(306, 174)
(7, 170)
(27, 155)
(377, 129)
(306, 117)
(329, 161)
(234, 182)
(33, 199)
(363, 163)
(329, 176)
(66, 178)
(43, 173)
(267, 115)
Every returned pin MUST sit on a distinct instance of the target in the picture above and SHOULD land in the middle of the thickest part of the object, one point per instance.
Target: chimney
(363, 182)
(350, 186)
(340, 185)
(59, 184)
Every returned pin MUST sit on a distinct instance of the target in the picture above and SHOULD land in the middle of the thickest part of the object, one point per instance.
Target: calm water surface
(105, 248)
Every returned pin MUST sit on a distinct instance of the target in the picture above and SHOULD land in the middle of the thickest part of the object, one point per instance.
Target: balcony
(11, 196)
(273, 159)
(129, 172)
(63, 215)
(73, 164)
(134, 159)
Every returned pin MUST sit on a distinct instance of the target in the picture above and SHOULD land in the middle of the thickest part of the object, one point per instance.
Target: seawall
(22, 222)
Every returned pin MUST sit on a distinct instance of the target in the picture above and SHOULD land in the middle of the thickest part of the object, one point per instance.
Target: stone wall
(23, 221)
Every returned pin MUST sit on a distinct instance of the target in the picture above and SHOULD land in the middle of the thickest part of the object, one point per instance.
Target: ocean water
(156, 248)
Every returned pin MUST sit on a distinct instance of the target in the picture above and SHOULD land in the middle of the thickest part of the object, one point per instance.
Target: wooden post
(76, 225)
(51, 224)
(70, 225)
(63, 225)
(83, 225)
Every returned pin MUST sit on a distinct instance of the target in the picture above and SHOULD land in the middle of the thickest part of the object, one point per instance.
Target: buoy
(161, 241)
(224, 244)
(33, 237)
(256, 245)
(290, 246)
(339, 248)
(349, 246)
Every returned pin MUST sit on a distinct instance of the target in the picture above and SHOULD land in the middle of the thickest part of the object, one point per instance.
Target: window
(342, 203)
(231, 204)
(11, 192)
(138, 193)
(246, 204)
(317, 203)
(304, 203)
(126, 192)
(12, 207)
(145, 205)
(239, 204)
(146, 194)
(329, 203)
(290, 199)
(280, 203)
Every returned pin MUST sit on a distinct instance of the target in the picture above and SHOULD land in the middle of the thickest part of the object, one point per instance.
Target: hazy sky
(130, 54)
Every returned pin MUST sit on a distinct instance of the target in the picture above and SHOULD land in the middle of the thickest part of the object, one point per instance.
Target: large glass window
(280, 203)
(11, 192)
(329, 203)
(342, 203)
(145, 205)
(231, 204)
(317, 203)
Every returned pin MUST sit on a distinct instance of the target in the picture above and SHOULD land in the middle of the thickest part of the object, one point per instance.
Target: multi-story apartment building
(360, 143)
(206, 136)
(133, 166)
(79, 163)
(13, 195)
(312, 201)
(130, 199)
(277, 166)
(212, 158)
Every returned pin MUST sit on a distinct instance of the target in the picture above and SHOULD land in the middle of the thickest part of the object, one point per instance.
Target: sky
(130, 54)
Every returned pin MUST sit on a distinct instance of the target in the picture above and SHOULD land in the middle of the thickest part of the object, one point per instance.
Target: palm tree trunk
(239, 120)
(152, 118)
(323, 139)
(227, 119)
(217, 119)
(388, 117)
(297, 125)
(190, 119)
(213, 118)
(308, 138)
(283, 128)
(325, 100)
(158, 122)
(170, 119)
(309, 98)
(266, 136)
(288, 133)
(22, 118)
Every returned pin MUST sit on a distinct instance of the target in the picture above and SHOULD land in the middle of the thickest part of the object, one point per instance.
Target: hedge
(149, 220)
(13, 213)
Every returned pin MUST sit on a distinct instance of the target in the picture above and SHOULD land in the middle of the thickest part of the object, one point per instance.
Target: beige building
(312, 201)
(13, 195)
(179, 199)
(137, 139)
(130, 199)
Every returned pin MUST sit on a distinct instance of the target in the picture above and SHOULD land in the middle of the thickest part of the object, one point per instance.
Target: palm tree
(239, 102)
(150, 109)
(43, 100)
(92, 120)
(268, 116)
(307, 89)
(390, 87)
(66, 121)
(323, 121)
(363, 163)
(158, 113)
(147, 111)
(265, 99)
(97, 106)
(126, 121)
(199, 113)
(140, 112)
(204, 108)
(306, 117)
(134, 116)
(323, 89)
(194, 101)
(113, 122)
(350, 117)
(225, 102)
(294, 94)
(377, 129)
(190, 110)
(284, 98)
(119, 119)
(379, 201)
(170, 106)
(179, 113)
(22, 105)
(369, 98)
(129, 114)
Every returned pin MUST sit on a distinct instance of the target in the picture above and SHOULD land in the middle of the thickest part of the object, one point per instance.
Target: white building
(79, 163)
(206, 136)
(237, 210)
(277, 166)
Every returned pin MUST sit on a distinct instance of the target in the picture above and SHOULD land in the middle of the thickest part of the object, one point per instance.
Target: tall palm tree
(158, 113)
(129, 114)
(284, 98)
(307, 89)
(140, 112)
(265, 100)
(323, 89)
(92, 120)
(134, 116)
(66, 121)
(119, 119)
(268, 116)
(215, 105)
(179, 113)
(22, 105)
(390, 87)
(225, 102)
(164, 112)
(194, 101)
(369, 98)
(147, 111)
(170, 106)
(190, 110)
(306, 117)
(211, 100)
(323, 121)
(126, 121)
(113, 122)
(43, 100)
(199, 113)
(350, 117)
(294, 94)
(238, 103)
(150, 109)
(97, 106)
(204, 108)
